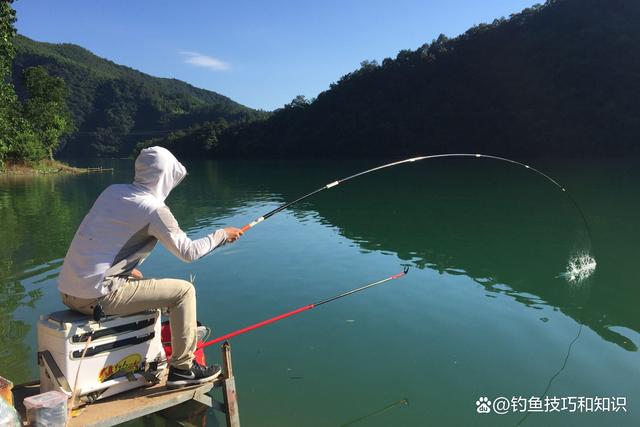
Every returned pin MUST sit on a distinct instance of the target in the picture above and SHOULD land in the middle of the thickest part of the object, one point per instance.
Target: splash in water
(579, 268)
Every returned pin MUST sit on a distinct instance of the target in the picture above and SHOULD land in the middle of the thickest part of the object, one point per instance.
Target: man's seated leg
(179, 297)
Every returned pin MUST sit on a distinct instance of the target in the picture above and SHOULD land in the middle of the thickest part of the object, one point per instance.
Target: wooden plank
(229, 388)
(125, 406)
(231, 403)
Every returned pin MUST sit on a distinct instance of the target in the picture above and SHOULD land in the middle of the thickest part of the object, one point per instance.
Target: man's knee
(186, 289)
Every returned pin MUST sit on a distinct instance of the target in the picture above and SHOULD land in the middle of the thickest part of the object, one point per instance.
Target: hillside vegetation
(114, 106)
(30, 128)
(561, 78)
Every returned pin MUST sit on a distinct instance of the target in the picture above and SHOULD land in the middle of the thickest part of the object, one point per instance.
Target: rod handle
(252, 223)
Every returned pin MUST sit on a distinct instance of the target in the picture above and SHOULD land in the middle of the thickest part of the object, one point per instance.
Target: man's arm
(165, 228)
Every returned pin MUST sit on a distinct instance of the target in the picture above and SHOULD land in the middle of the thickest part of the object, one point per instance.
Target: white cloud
(199, 60)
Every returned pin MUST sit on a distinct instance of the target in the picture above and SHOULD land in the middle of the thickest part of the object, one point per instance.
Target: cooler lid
(72, 316)
(69, 316)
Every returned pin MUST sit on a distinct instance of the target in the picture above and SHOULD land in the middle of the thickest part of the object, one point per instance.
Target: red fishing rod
(301, 309)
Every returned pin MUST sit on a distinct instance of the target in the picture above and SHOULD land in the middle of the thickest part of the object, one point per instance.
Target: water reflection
(505, 230)
(514, 237)
(36, 223)
(13, 347)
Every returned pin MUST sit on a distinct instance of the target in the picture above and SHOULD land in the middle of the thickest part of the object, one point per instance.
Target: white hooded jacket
(124, 225)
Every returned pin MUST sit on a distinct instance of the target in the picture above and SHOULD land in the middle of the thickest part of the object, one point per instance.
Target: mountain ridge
(559, 79)
(113, 105)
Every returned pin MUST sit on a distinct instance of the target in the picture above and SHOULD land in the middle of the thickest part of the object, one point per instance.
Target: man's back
(112, 239)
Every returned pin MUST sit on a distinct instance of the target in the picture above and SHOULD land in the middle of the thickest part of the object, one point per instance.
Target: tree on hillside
(299, 101)
(46, 108)
(8, 98)
(194, 141)
(29, 131)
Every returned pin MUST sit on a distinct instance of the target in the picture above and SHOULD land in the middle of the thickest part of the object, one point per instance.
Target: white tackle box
(125, 352)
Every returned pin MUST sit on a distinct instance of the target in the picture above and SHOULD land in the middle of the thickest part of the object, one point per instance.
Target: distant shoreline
(44, 167)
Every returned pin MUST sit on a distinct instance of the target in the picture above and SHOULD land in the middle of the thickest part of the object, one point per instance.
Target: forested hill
(114, 106)
(561, 78)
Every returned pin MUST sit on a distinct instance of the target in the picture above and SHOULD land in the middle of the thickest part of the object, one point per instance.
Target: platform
(125, 406)
(147, 400)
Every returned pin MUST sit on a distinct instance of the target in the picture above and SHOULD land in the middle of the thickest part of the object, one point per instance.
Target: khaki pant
(134, 296)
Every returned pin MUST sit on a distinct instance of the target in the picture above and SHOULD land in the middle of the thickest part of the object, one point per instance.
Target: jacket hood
(158, 171)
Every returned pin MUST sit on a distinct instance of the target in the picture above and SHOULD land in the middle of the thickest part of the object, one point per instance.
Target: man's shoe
(198, 374)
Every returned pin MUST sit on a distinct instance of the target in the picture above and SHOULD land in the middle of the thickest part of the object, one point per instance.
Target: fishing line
(580, 266)
(554, 376)
(404, 401)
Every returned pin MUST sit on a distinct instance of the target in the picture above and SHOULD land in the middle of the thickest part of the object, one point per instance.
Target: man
(100, 275)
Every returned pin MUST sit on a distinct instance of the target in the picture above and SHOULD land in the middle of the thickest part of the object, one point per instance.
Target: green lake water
(482, 312)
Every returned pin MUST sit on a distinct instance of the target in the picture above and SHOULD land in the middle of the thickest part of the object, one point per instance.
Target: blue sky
(259, 53)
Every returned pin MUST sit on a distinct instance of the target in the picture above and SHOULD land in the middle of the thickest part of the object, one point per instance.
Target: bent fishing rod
(302, 309)
(411, 160)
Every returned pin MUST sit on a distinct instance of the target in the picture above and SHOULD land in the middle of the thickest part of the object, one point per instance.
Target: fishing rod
(411, 160)
(301, 309)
